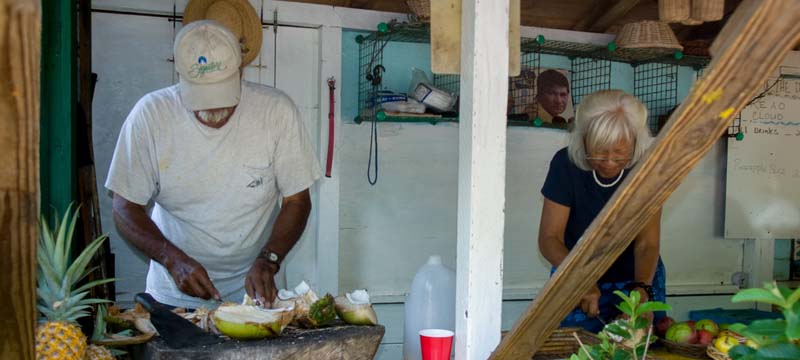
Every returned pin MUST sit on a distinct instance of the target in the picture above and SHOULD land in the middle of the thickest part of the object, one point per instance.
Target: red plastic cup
(435, 344)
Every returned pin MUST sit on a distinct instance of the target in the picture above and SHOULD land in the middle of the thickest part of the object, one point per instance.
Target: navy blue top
(569, 185)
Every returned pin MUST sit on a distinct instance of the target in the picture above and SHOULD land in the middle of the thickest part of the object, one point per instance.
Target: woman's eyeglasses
(604, 159)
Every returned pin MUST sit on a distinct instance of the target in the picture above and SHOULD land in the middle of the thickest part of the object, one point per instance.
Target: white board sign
(763, 175)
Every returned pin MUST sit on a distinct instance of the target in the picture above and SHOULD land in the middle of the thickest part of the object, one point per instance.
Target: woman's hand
(590, 303)
(260, 282)
(643, 298)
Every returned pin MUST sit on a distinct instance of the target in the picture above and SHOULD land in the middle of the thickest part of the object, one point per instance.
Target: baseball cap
(208, 57)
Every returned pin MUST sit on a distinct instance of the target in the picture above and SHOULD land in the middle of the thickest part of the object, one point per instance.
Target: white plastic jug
(431, 304)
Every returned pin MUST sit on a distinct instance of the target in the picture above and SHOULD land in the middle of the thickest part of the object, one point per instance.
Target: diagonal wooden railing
(753, 42)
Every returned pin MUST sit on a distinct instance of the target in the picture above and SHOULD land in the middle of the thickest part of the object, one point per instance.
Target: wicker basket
(647, 34)
(708, 10)
(715, 354)
(421, 9)
(561, 344)
(695, 351)
(674, 10)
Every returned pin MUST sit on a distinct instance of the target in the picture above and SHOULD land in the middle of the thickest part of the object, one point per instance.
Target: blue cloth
(569, 185)
(608, 303)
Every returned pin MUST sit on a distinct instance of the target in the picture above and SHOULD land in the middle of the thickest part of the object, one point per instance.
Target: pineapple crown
(58, 274)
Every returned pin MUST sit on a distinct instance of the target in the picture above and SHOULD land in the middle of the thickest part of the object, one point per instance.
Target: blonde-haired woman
(610, 135)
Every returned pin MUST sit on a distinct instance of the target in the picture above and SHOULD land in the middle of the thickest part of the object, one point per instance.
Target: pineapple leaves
(78, 267)
(58, 296)
(92, 284)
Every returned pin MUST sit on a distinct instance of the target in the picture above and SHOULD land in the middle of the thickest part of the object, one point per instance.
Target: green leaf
(625, 308)
(741, 352)
(792, 316)
(641, 323)
(781, 351)
(759, 295)
(766, 331)
(620, 354)
(78, 267)
(635, 298)
(618, 330)
(651, 306)
(99, 324)
(92, 284)
(737, 327)
(621, 295)
(794, 297)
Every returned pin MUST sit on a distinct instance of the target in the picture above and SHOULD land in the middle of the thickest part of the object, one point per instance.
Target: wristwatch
(273, 258)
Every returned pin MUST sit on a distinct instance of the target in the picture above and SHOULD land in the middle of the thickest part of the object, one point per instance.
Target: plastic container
(730, 316)
(431, 304)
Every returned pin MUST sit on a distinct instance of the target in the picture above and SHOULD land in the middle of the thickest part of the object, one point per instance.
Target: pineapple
(59, 298)
(97, 352)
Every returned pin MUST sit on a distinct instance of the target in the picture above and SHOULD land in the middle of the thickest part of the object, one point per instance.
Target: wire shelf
(656, 85)
(655, 73)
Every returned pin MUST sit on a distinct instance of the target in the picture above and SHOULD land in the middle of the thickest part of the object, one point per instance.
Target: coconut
(310, 311)
(355, 309)
(250, 322)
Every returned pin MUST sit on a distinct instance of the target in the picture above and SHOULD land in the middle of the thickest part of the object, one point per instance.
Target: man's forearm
(135, 226)
(289, 224)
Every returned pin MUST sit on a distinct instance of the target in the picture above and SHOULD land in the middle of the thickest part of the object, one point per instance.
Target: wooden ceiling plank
(617, 11)
(753, 43)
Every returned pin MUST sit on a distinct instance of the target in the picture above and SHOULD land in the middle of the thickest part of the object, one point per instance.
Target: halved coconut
(301, 298)
(355, 309)
(247, 322)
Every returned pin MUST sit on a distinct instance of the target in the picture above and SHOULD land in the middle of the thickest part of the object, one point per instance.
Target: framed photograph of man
(543, 94)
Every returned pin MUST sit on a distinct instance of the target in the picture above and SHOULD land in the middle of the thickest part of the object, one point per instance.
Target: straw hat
(648, 34)
(237, 15)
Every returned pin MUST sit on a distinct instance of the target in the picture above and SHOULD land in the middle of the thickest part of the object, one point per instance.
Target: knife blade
(176, 331)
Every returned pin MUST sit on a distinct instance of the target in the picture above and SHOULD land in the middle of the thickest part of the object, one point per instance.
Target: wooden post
(751, 45)
(481, 176)
(20, 25)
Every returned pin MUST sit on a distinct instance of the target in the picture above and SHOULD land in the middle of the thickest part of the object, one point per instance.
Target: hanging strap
(331, 125)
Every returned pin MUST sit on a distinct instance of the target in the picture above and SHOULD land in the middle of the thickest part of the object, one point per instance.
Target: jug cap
(435, 260)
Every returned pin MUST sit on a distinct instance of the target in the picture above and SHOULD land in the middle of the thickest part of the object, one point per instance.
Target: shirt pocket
(257, 183)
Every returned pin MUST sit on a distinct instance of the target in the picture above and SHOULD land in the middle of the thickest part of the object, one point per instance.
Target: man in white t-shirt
(226, 164)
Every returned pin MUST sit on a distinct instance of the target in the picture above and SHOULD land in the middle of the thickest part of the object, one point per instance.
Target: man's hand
(260, 282)
(191, 278)
(590, 303)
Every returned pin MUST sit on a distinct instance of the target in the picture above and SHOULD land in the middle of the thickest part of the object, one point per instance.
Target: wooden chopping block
(446, 37)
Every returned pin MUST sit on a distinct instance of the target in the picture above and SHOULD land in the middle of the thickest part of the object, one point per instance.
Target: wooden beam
(19, 180)
(591, 15)
(481, 176)
(752, 44)
(617, 11)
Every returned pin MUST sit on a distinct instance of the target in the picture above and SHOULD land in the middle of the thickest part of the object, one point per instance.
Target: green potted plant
(770, 339)
(627, 338)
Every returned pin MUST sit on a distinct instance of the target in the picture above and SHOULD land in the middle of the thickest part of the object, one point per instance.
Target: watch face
(272, 257)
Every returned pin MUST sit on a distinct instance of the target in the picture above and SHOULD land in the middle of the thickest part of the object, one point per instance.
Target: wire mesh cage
(656, 85)
(589, 75)
(370, 58)
(655, 75)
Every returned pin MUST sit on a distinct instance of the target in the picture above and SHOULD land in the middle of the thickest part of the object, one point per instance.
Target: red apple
(707, 325)
(704, 337)
(663, 325)
(691, 323)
